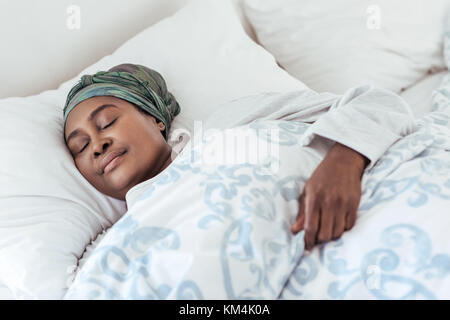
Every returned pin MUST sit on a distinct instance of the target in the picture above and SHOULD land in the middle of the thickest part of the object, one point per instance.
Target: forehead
(81, 111)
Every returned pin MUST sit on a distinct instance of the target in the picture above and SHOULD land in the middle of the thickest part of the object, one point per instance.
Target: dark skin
(330, 199)
(121, 127)
(328, 204)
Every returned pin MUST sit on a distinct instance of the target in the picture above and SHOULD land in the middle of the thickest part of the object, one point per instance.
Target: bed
(405, 259)
(405, 256)
(418, 96)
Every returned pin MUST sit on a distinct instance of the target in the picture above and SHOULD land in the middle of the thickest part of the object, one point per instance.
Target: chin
(120, 180)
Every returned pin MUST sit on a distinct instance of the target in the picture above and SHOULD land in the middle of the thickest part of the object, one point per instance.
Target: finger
(311, 221)
(339, 222)
(352, 214)
(299, 223)
(326, 224)
(350, 219)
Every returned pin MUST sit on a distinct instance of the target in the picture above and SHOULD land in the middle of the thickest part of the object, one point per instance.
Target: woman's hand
(330, 200)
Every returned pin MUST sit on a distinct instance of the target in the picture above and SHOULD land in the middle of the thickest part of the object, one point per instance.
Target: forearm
(368, 120)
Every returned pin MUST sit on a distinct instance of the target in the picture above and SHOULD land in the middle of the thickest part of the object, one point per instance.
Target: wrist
(346, 155)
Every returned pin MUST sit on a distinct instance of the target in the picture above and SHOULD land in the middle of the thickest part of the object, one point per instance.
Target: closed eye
(83, 148)
(109, 124)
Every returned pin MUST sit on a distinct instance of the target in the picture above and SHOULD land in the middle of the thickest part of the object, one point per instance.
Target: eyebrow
(76, 132)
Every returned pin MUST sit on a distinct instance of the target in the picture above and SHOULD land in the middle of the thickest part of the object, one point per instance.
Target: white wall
(39, 51)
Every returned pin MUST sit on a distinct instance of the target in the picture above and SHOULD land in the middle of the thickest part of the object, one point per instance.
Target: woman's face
(99, 128)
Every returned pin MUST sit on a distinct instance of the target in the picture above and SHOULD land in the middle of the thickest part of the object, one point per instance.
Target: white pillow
(206, 58)
(419, 96)
(48, 211)
(335, 45)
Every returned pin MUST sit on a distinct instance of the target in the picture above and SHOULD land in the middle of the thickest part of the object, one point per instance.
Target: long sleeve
(366, 119)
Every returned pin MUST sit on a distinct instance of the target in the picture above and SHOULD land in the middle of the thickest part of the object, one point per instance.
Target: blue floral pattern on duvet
(399, 248)
(409, 259)
(244, 212)
(383, 273)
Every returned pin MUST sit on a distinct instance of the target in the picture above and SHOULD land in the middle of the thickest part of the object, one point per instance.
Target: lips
(108, 158)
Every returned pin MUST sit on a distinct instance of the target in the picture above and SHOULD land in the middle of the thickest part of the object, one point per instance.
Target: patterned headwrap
(134, 83)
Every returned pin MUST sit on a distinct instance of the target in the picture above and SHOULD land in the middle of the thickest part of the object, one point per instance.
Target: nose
(101, 146)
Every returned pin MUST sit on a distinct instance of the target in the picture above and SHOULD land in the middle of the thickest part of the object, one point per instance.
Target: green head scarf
(134, 83)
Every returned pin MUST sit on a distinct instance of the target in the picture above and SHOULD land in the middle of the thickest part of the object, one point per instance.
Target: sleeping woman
(116, 126)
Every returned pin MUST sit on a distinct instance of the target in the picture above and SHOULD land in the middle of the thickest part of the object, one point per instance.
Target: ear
(161, 126)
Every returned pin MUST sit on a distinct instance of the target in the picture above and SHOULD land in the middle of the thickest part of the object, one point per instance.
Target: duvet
(215, 224)
(208, 227)
(399, 247)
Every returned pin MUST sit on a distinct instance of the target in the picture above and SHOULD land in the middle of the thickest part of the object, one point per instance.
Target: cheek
(82, 168)
(86, 170)
(146, 150)
(91, 176)
(142, 137)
